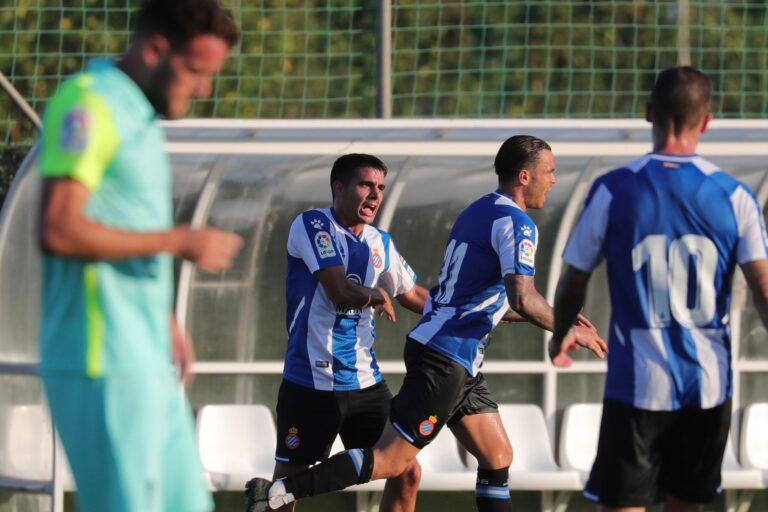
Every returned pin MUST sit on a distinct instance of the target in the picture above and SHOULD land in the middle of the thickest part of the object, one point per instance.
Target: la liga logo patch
(525, 252)
(292, 440)
(324, 245)
(427, 427)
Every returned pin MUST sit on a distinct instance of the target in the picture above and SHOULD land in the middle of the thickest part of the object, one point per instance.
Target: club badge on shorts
(427, 426)
(292, 440)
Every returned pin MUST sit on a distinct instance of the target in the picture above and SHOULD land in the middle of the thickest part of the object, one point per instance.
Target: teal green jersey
(107, 317)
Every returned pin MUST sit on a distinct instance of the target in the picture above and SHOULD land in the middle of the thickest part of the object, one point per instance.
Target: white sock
(278, 495)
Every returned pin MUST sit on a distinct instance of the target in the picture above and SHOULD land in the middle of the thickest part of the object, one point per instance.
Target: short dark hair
(680, 99)
(344, 167)
(516, 154)
(182, 20)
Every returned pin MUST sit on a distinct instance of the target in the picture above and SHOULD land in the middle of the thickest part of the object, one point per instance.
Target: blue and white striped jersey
(492, 237)
(671, 230)
(329, 347)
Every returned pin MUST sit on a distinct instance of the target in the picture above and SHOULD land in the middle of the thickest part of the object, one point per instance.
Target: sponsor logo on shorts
(324, 245)
(292, 440)
(322, 364)
(525, 252)
(377, 260)
(427, 427)
(74, 132)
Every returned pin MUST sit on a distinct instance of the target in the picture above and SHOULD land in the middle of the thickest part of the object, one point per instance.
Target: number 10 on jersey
(668, 277)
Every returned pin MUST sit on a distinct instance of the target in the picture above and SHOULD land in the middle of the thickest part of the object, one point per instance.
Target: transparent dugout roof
(254, 177)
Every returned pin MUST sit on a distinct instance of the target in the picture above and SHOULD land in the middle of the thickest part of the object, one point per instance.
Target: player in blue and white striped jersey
(672, 227)
(330, 345)
(491, 238)
(489, 257)
(340, 268)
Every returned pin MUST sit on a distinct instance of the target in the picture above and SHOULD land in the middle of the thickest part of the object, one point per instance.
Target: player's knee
(411, 477)
(501, 458)
(389, 467)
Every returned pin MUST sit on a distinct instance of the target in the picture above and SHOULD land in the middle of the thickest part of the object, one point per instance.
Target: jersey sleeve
(585, 247)
(398, 277)
(514, 240)
(311, 241)
(752, 240)
(80, 137)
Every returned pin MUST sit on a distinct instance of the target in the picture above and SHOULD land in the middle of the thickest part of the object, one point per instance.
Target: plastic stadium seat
(754, 438)
(27, 443)
(441, 465)
(236, 442)
(734, 476)
(533, 466)
(578, 437)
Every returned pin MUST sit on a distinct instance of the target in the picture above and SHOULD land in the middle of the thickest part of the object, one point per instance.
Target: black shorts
(644, 455)
(436, 391)
(308, 420)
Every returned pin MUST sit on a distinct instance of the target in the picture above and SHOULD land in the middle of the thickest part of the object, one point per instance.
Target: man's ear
(337, 187)
(524, 176)
(705, 122)
(154, 49)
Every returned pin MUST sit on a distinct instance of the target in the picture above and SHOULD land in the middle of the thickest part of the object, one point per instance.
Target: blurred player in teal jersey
(107, 331)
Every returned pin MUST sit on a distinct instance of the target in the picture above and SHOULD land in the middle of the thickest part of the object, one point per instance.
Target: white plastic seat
(754, 439)
(27, 443)
(734, 476)
(441, 465)
(236, 443)
(578, 437)
(533, 466)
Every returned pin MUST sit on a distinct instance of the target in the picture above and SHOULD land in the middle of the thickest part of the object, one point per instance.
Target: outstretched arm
(569, 300)
(526, 301)
(414, 299)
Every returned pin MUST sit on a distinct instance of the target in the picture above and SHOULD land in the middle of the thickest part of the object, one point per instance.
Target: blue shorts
(130, 442)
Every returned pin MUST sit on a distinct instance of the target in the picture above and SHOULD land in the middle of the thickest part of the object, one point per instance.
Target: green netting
(470, 58)
(297, 59)
(572, 58)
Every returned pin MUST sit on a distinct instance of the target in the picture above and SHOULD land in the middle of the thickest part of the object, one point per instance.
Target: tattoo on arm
(526, 301)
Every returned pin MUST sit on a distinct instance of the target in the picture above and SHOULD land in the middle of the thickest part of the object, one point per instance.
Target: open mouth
(369, 209)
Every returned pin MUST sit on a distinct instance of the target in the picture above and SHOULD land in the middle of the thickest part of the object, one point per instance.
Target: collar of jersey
(499, 192)
(343, 227)
(673, 158)
(128, 88)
